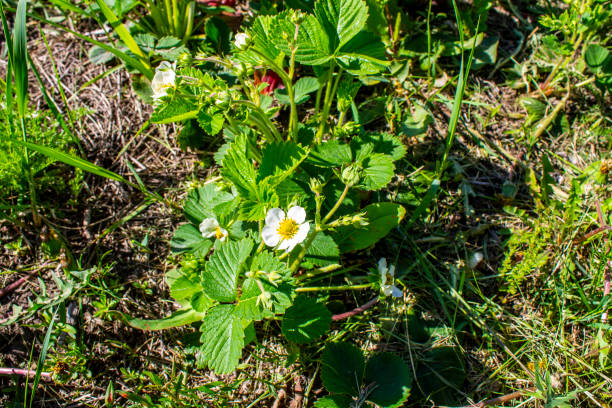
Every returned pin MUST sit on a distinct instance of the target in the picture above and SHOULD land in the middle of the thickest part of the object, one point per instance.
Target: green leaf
(280, 161)
(201, 202)
(381, 217)
(440, 374)
(188, 238)
(391, 376)
(220, 277)
(179, 318)
(306, 320)
(182, 287)
(385, 143)
(334, 401)
(595, 56)
(222, 339)
(256, 204)
(99, 55)
(122, 31)
(363, 55)
(378, 170)
(239, 169)
(301, 88)
(20, 57)
(176, 110)
(313, 46)
(211, 123)
(347, 89)
(330, 154)
(323, 251)
(261, 31)
(341, 19)
(343, 367)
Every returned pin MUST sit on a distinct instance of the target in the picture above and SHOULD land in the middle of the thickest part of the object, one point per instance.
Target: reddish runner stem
(355, 311)
(26, 373)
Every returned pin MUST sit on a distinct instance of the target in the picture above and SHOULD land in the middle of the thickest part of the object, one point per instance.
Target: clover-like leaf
(343, 368)
(306, 320)
(222, 339)
(220, 277)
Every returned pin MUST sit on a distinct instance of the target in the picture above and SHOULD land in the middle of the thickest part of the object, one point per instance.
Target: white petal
(224, 234)
(270, 236)
(208, 227)
(297, 214)
(387, 289)
(287, 244)
(396, 292)
(392, 270)
(274, 217)
(302, 232)
(382, 269)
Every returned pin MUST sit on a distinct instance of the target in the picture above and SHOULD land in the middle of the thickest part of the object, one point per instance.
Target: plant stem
(21, 371)
(326, 104)
(355, 311)
(337, 205)
(293, 117)
(331, 288)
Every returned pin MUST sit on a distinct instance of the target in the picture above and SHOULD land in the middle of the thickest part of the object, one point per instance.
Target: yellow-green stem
(330, 288)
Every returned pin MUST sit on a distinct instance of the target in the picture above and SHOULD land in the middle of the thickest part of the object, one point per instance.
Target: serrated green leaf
(330, 154)
(188, 238)
(257, 203)
(363, 55)
(212, 123)
(306, 320)
(381, 217)
(313, 46)
(239, 169)
(343, 368)
(200, 302)
(378, 170)
(176, 319)
(341, 19)
(391, 376)
(334, 401)
(323, 251)
(280, 161)
(201, 202)
(176, 110)
(347, 89)
(183, 288)
(385, 143)
(220, 277)
(595, 56)
(222, 339)
(261, 31)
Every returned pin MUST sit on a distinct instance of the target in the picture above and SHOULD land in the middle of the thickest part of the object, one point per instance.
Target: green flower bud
(351, 174)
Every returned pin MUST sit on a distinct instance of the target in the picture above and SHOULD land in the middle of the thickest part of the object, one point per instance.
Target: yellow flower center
(218, 233)
(287, 228)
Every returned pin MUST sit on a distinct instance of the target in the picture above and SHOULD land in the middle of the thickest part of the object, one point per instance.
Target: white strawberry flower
(165, 78)
(210, 228)
(285, 231)
(387, 276)
(241, 40)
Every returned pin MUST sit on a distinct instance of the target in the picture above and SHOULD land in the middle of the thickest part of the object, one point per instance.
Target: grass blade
(20, 61)
(121, 31)
(41, 358)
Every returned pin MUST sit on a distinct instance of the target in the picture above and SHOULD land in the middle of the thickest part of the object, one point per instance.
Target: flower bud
(351, 174)
(242, 41)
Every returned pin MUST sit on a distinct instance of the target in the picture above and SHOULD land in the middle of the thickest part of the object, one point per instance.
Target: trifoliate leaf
(188, 238)
(343, 367)
(280, 161)
(222, 339)
(306, 320)
(378, 170)
(238, 168)
(381, 219)
(391, 378)
(341, 19)
(220, 277)
(330, 154)
(201, 202)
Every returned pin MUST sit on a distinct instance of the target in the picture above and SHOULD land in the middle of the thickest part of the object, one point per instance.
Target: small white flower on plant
(387, 276)
(210, 228)
(164, 78)
(241, 40)
(285, 231)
